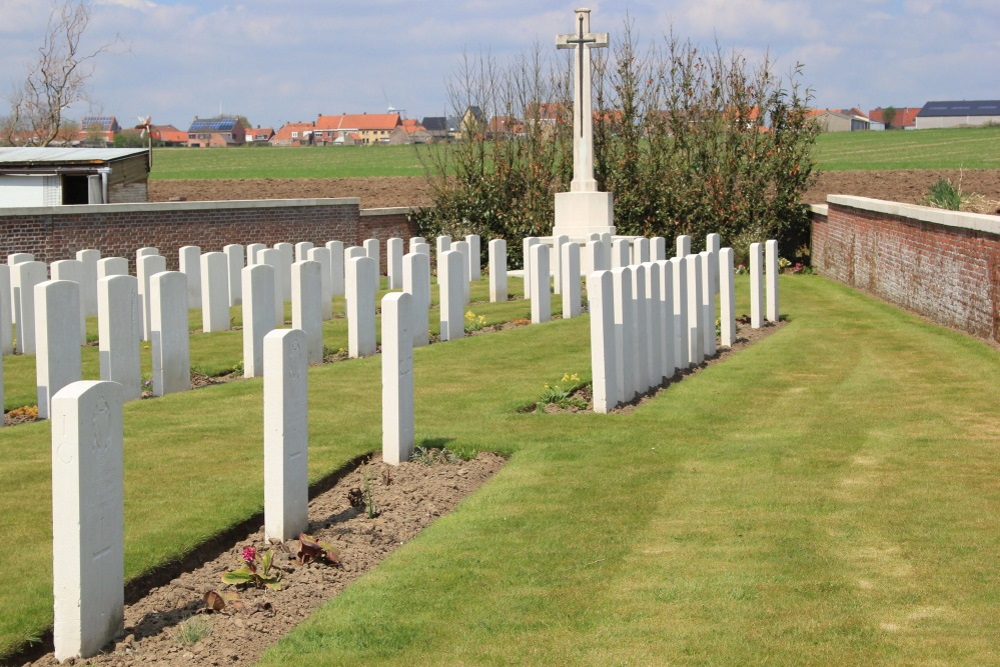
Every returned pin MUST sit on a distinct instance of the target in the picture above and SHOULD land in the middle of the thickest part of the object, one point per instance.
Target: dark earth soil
(908, 186)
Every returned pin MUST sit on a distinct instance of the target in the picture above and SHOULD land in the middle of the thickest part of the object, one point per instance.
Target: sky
(275, 62)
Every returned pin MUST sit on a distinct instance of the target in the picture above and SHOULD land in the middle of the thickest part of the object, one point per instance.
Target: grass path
(827, 496)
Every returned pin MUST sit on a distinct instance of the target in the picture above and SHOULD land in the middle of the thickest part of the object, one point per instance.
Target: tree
(57, 78)
(888, 116)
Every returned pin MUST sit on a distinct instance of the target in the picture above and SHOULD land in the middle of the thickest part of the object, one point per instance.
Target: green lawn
(826, 496)
(960, 148)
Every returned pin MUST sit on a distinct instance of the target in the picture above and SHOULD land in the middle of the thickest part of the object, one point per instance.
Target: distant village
(366, 129)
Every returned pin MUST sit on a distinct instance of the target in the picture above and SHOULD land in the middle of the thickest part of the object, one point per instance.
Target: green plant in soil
(256, 570)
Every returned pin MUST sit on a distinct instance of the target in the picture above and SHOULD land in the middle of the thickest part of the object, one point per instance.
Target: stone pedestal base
(579, 214)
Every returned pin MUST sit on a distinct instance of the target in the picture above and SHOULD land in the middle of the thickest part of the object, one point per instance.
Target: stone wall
(118, 230)
(941, 264)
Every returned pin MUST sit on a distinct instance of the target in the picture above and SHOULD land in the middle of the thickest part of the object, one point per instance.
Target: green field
(961, 148)
(965, 148)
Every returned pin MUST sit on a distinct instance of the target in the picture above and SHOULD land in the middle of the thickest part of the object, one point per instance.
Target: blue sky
(276, 62)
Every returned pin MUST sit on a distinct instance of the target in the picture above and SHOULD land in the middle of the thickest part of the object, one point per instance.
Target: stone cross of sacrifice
(583, 119)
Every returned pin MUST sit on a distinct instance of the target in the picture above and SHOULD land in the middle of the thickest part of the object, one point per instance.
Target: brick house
(294, 134)
(216, 132)
(371, 128)
(98, 131)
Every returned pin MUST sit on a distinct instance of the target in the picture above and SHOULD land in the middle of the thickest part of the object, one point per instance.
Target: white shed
(56, 176)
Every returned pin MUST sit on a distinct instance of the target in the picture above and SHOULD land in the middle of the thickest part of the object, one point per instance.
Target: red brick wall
(914, 257)
(118, 231)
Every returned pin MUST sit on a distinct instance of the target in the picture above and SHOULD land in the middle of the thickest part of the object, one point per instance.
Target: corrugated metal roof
(50, 155)
(951, 108)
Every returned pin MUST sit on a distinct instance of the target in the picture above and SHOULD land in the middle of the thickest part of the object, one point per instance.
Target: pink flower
(249, 554)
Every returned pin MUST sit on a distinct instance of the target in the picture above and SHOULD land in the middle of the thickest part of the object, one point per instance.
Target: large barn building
(963, 113)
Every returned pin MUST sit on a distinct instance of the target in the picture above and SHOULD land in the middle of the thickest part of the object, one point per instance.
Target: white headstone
(682, 353)
(112, 266)
(307, 307)
(526, 246)
(756, 286)
(286, 435)
(570, 267)
(283, 271)
(442, 245)
(272, 257)
(414, 240)
(214, 292)
(302, 249)
(24, 277)
(258, 316)
(696, 314)
(463, 247)
(625, 334)
(189, 262)
(57, 336)
(362, 285)
(417, 283)
(234, 262)
(620, 254)
(654, 324)
(475, 257)
(541, 297)
(498, 270)
(657, 249)
(640, 315)
(354, 252)
(683, 245)
(146, 252)
(397, 378)
(708, 304)
(451, 273)
(88, 280)
(596, 256)
(322, 255)
(603, 352)
(727, 298)
(252, 250)
(6, 324)
(12, 259)
(667, 335)
(336, 249)
(88, 526)
(555, 262)
(771, 262)
(116, 326)
(72, 269)
(169, 333)
(640, 250)
(146, 266)
(713, 243)
(394, 262)
(372, 250)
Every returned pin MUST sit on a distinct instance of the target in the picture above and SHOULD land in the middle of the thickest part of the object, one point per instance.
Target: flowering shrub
(474, 322)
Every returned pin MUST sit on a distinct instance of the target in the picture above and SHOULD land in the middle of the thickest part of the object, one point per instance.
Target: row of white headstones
(88, 496)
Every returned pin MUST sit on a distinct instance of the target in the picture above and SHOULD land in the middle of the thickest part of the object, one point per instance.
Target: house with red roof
(294, 134)
(905, 118)
(370, 128)
(259, 135)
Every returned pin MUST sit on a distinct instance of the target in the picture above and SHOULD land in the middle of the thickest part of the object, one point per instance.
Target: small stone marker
(603, 351)
(397, 378)
(258, 316)
(707, 304)
(235, 263)
(112, 266)
(286, 434)
(498, 270)
(394, 262)
(570, 266)
(668, 349)
(640, 250)
(362, 285)
(756, 286)
(24, 278)
(417, 283)
(88, 526)
(283, 271)
(336, 249)
(72, 269)
(169, 333)
(640, 316)
(307, 307)
(620, 253)
(451, 272)
(696, 314)
(475, 257)
(463, 247)
(190, 264)
(88, 280)
(657, 248)
(146, 266)
(302, 249)
(57, 336)
(252, 250)
(215, 292)
(771, 284)
(117, 297)
(625, 343)
(6, 323)
(682, 353)
(526, 246)
(272, 257)
(322, 255)
(683, 245)
(541, 297)
(727, 298)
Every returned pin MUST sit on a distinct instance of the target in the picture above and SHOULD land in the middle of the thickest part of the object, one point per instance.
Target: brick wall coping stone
(819, 209)
(973, 221)
(179, 206)
(395, 210)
